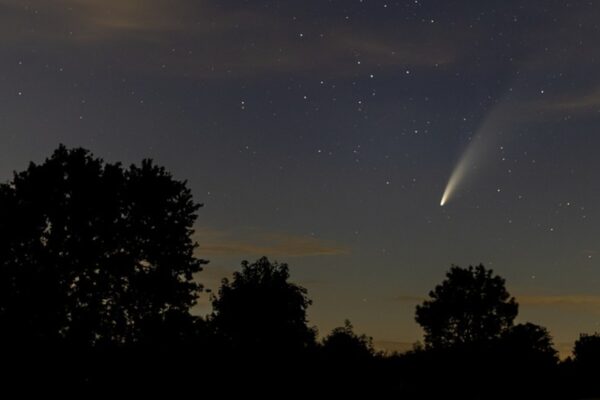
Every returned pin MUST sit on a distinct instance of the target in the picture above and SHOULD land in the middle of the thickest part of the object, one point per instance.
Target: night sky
(324, 133)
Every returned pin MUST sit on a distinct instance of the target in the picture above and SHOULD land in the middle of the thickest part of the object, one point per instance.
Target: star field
(323, 133)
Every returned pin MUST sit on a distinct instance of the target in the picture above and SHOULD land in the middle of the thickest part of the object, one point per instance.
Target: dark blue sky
(323, 134)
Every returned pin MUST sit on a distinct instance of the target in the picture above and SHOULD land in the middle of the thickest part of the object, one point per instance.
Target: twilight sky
(322, 133)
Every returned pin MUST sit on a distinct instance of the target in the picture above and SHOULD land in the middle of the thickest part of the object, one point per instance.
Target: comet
(477, 153)
(467, 164)
(457, 176)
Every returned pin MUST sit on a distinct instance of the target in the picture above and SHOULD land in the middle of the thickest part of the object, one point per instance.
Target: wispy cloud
(586, 101)
(220, 42)
(88, 21)
(407, 298)
(578, 301)
(256, 243)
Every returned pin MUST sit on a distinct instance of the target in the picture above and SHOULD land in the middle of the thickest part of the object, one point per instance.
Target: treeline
(98, 277)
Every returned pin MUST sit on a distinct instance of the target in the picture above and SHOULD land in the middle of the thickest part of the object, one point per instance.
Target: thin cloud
(200, 40)
(407, 298)
(585, 302)
(89, 21)
(576, 301)
(256, 243)
(588, 101)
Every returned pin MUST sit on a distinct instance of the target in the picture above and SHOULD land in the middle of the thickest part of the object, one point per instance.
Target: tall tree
(92, 253)
(260, 311)
(470, 305)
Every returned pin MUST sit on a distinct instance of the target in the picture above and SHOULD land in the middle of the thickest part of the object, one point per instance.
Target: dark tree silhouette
(583, 370)
(260, 311)
(95, 254)
(518, 364)
(471, 305)
(473, 350)
(586, 351)
(531, 344)
(524, 357)
(343, 345)
(349, 365)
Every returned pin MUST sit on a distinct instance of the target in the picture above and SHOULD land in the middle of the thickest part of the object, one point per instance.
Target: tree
(586, 365)
(471, 305)
(93, 253)
(343, 345)
(260, 311)
(586, 351)
(529, 343)
(525, 356)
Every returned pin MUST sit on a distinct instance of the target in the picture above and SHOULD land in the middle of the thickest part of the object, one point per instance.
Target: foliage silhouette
(93, 254)
(586, 351)
(519, 364)
(473, 350)
(586, 365)
(260, 311)
(471, 305)
(97, 272)
(530, 343)
(343, 345)
(524, 357)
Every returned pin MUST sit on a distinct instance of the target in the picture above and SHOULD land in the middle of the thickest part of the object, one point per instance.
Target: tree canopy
(530, 340)
(259, 310)
(343, 344)
(586, 350)
(93, 253)
(470, 305)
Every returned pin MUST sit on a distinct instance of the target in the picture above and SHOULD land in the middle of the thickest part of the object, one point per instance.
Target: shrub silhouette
(93, 254)
(344, 346)
(531, 344)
